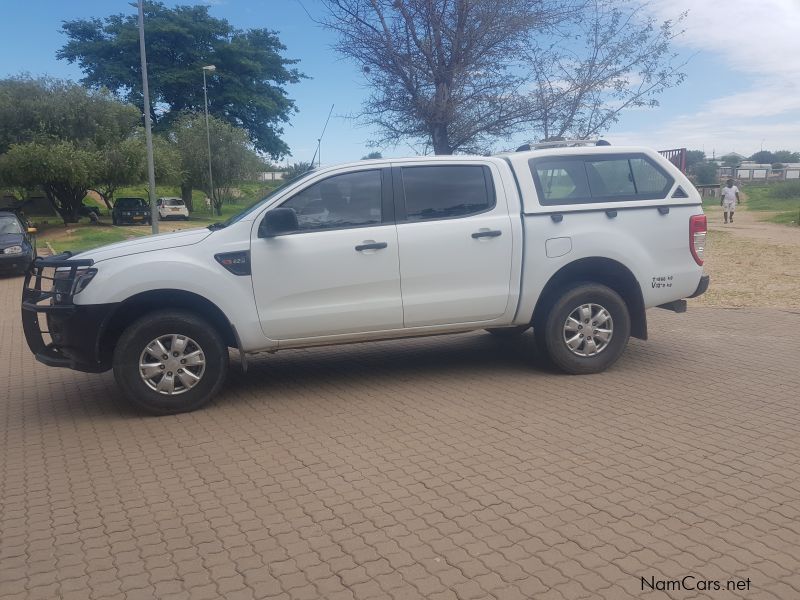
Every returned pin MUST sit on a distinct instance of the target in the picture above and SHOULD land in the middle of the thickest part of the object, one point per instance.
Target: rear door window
(446, 191)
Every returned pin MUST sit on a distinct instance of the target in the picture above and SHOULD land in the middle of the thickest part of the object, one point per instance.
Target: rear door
(454, 235)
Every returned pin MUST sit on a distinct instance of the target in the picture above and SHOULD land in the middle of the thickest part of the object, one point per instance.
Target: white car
(576, 242)
(172, 208)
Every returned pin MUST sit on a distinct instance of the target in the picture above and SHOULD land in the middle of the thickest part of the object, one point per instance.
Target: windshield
(173, 202)
(129, 203)
(9, 225)
(238, 217)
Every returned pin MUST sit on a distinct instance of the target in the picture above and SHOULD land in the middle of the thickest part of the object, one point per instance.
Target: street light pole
(148, 132)
(208, 131)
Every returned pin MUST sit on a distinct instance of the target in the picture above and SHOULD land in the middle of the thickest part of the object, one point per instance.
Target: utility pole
(148, 132)
(209, 68)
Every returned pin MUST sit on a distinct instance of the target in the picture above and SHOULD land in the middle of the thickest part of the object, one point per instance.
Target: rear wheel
(170, 362)
(586, 329)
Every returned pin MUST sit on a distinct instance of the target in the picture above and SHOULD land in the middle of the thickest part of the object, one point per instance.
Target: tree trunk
(186, 196)
(441, 140)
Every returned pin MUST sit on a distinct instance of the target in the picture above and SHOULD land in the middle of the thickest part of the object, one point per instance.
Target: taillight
(698, 226)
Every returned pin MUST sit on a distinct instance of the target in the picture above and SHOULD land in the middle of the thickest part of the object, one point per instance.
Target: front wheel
(169, 362)
(586, 330)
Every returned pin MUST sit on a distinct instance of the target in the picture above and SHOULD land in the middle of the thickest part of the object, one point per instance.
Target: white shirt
(729, 195)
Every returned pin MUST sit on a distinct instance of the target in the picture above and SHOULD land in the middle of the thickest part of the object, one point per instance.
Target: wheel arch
(142, 303)
(600, 270)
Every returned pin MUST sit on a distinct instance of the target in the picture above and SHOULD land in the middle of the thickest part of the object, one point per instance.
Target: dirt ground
(751, 262)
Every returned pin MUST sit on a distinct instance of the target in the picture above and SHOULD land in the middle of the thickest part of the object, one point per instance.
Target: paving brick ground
(438, 468)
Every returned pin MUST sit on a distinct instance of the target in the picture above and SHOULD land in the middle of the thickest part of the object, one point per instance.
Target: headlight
(63, 285)
(13, 250)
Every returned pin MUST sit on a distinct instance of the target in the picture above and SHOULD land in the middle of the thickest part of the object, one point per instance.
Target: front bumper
(74, 330)
(15, 263)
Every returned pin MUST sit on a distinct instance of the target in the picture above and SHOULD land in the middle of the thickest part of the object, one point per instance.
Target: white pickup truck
(576, 242)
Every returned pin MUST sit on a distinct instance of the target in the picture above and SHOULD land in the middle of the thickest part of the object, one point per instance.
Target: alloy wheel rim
(172, 364)
(588, 330)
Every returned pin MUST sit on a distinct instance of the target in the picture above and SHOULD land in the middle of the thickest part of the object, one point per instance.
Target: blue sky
(742, 88)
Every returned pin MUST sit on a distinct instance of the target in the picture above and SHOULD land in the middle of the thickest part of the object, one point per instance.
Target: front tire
(586, 330)
(169, 362)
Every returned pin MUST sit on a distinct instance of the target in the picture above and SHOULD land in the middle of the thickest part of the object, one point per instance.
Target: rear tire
(585, 330)
(169, 362)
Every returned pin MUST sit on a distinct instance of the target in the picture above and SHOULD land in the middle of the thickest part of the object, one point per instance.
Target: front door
(455, 241)
(338, 273)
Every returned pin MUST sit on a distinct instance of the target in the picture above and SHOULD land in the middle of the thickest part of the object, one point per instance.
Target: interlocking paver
(453, 467)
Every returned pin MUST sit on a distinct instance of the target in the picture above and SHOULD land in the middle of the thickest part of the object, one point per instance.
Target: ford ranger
(576, 242)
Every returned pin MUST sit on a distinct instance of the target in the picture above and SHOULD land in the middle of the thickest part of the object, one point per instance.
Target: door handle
(487, 234)
(371, 246)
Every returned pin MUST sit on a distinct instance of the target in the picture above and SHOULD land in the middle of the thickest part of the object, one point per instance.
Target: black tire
(509, 332)
(136, 338)
(551, 333)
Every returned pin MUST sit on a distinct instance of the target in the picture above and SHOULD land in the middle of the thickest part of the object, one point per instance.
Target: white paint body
(432, 277)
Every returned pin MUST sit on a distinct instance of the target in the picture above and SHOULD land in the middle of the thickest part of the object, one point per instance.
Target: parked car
(172, 208)
(576, 242)
(17, 243)
(134, 211)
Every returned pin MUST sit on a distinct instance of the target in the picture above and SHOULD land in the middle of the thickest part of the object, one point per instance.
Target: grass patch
(782, 198)
(79, 237)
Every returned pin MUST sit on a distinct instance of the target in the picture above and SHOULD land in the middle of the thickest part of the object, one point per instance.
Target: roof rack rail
(562, 144)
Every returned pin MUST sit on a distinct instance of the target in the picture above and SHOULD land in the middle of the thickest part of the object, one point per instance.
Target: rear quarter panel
(652, 245)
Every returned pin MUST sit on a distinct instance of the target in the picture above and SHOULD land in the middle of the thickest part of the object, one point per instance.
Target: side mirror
(278, 221)
(32, 230)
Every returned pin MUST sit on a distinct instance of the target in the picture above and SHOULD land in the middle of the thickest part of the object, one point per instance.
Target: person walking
(729, 199)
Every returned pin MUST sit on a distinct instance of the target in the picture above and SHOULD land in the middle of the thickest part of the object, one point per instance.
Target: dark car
(17, 244)
(135, 211)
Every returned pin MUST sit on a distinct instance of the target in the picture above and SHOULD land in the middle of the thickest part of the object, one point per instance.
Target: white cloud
(760, 40)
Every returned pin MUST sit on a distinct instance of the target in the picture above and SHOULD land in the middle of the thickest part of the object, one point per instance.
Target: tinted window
(439, 192)
(173, 202)
(561, 180)
(349, 200)
(610, 178)
(649, 180)
(585, 179)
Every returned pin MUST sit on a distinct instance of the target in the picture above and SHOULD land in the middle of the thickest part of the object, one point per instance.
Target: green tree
(731, 160)
(246, 90)
(62, 137)
(694, 157)
(125, 163)
(372, 155)
(64, 171)
(232, 156)
(763, 157)
(297, 169)
(786, 156)
(705, 173)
